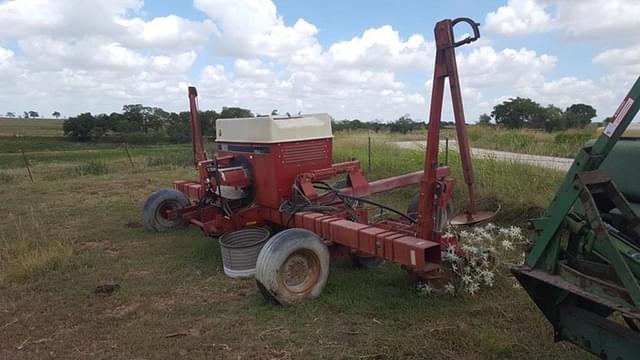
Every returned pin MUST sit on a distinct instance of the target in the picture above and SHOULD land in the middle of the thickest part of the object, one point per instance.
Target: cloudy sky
(367, 59)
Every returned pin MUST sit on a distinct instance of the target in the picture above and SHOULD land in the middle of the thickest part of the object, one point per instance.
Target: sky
(371, 60)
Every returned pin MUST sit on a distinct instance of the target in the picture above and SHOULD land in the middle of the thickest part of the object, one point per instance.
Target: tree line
(31, 114)
(515, 113)
(520, 112)
(156, 123)
(403, 124)
(150, 122)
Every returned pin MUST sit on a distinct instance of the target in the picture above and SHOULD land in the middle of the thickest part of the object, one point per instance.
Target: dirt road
(550, 162)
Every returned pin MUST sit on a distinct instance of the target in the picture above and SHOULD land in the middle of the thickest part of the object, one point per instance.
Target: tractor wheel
(293, 266)
(154, 212)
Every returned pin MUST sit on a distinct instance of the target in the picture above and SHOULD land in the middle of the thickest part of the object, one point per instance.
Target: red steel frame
(275, 168)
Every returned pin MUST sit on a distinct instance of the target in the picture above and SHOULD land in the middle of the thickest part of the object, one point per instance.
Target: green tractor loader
(583, 268)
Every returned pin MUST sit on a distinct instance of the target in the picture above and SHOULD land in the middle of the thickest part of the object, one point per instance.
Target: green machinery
(583, 268)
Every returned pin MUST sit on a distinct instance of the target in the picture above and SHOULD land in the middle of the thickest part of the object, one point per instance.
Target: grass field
(78, 225)
(525, 141)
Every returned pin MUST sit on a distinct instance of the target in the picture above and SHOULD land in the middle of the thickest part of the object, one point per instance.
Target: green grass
(64, 234)
(526, 141)
(93, 167)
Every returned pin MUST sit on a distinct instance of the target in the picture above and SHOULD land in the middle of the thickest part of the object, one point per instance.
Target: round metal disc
(472, 219)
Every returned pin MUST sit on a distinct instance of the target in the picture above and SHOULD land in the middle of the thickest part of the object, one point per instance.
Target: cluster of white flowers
(486, 250)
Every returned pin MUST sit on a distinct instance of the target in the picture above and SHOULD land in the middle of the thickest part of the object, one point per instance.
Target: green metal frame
(545, 249)
(579, 282)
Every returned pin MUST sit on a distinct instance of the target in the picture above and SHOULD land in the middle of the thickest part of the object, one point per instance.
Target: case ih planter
(275, 172)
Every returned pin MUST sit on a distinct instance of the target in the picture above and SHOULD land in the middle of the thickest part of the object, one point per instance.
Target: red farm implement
(276, 173)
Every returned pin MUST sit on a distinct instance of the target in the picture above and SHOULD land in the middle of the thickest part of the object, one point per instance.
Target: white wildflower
(424, 289)
(508, 245)
(515, 232)
(488, 277)
(467, 279)
(473, 288)
(449, 288)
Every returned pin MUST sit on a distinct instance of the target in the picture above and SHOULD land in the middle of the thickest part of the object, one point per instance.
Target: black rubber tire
(151, 211)
(292, 267)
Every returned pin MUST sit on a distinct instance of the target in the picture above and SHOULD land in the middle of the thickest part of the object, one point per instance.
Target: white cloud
(382, 48)
(68, 59)
(627, 59)
(613, 20)
(77, 55)
(253, 68)
(486, 67)
(250, 28)
(6, 57)
(179, 63)
(165, 32)
(73, 19)
(565, 91)
(519, 17)
(62, 17)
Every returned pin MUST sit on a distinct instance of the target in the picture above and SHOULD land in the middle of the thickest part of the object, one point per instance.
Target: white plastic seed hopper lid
(270, 129)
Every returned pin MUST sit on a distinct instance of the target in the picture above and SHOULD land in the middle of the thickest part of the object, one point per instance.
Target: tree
(79, 128)
(582, 114)
(55, 114)
(10, 114)
(34, 114)
(554, 119)
(403, 125)
(179, 127)
(143, 118)
(235, 112)
(208, 122)
(26, 114)
(517, 113)
(484, 119)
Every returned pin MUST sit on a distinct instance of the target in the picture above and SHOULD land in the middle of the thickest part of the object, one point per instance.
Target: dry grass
(30, 127)
(27, 249)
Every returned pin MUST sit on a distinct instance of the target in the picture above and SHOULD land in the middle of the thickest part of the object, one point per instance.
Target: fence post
(126, 148)
(369, 150)
(26, 164)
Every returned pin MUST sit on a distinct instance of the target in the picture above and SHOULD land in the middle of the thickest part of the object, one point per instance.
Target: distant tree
(34, 114)
(143, 118)
(101, 126)
(274, 112)
(518, 113)
(484, 119)
(79, 128)
(208, 122)
(582, 114)
(553, 119)
(26, 114)
(10, 114)
(179, 127)
(403, 125)
(235, 112)
(55, 114)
